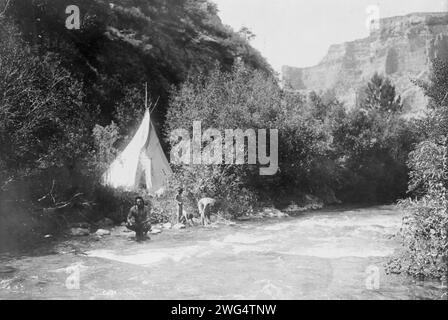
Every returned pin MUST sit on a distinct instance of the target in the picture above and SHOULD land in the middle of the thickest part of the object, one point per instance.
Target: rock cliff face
(401, 48)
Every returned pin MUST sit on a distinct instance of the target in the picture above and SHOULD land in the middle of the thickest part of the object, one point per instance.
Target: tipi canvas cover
(141, 164)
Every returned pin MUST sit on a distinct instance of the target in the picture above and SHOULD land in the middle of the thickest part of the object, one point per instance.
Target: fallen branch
(62, 205)
(49, 194)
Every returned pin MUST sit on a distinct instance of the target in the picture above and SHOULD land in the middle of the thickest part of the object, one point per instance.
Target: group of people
(139, 217)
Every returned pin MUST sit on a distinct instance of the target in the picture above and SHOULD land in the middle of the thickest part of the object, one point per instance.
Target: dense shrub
(425, 225)
(361, 153)
(219, 182)
(243, 99)
(116, 203)
(248, 99)
(373, 142)
(132, 42)
(44, 124)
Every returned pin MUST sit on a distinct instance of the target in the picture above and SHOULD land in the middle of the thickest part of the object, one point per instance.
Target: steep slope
(401, 49)
(128, 42)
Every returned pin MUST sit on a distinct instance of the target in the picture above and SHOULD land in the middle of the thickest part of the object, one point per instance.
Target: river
(326, 254)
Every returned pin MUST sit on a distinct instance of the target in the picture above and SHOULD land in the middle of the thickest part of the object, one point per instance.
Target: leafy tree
(436, 89)
(129, 43)
(45, 136)
(425, 226)
(105, 150)
(249, 99)
(373, 142)
(241, 99)
(44, 123)
(246, 33)
(129, 111)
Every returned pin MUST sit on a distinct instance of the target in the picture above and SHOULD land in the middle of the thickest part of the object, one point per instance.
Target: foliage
(123, 45)
(44, 134)
(70, 99)
(249, 99)
(243, 99)
(129, 111)
(305, 146)
(220, 182)
(116, 203)
(361, 153)
(104, 151)
(44, 122)
(373, 142)
(425, 225)
(380, 94)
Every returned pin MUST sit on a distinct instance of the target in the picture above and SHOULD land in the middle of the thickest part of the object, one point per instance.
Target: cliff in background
(401, 48)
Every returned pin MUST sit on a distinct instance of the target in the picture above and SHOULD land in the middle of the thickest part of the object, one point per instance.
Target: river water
(327, 254)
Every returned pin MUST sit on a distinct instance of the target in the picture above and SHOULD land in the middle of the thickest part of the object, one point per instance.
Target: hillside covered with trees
(58, 84)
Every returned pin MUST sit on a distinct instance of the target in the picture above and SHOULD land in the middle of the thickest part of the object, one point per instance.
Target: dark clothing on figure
(141, 227)
(179, 201)
(138, 221)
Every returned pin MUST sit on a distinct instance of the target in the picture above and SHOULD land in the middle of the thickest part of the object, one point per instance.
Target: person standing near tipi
(180, 205)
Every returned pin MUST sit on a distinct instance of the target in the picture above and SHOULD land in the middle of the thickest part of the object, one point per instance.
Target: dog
(207, 206)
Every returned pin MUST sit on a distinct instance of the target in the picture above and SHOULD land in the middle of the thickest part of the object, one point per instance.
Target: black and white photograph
(245, 152)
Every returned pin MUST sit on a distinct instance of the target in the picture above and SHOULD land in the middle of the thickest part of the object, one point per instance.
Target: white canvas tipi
(142, 164)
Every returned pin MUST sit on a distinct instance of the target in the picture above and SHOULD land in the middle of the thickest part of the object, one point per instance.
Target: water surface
(328, 254)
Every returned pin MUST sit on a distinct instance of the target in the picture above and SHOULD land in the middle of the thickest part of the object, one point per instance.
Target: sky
(299, 32)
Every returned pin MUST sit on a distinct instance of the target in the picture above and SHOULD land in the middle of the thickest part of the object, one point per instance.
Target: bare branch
(5, 8)
(49, 194)
(5, 184)
(62, 205)
(446, 95)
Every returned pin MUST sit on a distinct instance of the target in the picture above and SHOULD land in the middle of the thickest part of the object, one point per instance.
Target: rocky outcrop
(102, 232)
(105, 223)
(79, 232)
(179, 226)
(401, 48)
(272, 212)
